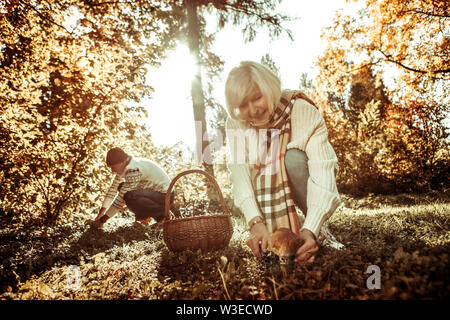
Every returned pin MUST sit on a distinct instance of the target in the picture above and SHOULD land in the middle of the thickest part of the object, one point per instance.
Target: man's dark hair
(115, 155)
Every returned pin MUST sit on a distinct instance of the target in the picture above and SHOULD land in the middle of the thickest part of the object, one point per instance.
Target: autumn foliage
(383, 85)
(68, 70)
(72, 76)
(73, 73)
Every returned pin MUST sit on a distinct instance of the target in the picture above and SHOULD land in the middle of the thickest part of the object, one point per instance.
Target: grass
(406, 236)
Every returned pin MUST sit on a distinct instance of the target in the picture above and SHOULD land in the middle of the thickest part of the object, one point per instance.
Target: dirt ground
(407, 238)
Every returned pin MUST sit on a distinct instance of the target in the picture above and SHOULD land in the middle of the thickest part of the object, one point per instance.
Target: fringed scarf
(269, 175)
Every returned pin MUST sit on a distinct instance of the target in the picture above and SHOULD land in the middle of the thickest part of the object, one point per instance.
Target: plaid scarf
(269, 175)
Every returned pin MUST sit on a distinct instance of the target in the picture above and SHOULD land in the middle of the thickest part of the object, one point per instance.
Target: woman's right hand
(259, 236)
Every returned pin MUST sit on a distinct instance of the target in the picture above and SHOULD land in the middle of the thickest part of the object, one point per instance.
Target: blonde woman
(279, 157)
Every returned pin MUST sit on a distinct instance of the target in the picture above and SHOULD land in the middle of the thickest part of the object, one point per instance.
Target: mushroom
(285, 243)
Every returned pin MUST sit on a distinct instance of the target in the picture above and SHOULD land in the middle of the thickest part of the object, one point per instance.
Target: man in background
(139, 184)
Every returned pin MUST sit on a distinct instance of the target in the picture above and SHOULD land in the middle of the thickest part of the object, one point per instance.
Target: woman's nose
(253, 109)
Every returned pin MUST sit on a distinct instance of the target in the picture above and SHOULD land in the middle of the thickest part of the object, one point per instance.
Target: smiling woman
(170, 110)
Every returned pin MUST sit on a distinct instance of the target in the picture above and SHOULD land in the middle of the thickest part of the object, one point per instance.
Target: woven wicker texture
(207, 233)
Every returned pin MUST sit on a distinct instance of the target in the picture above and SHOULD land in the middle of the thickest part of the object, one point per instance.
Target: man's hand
(98, 221)
(307, 252)
(100, 214)
(259, 236)
(96, 224)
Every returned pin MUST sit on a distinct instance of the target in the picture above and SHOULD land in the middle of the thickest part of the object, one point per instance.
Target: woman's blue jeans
(296, 162)
(146, 203)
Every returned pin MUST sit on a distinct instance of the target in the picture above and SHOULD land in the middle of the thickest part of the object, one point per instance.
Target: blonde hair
(245, 79)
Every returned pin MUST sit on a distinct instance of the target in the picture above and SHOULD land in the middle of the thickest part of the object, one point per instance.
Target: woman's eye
(243, 106)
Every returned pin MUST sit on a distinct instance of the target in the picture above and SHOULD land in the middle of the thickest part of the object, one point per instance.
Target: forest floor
(407, 236)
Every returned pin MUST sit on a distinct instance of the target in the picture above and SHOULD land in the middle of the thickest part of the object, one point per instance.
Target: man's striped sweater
(139, 174)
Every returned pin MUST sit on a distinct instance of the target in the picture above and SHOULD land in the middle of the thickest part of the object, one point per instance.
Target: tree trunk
(198, 101)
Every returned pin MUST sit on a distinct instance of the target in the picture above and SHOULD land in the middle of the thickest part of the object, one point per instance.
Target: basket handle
(210, 178)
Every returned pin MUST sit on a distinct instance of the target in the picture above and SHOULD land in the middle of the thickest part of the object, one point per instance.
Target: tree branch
(426, 13)
(91, 4)
(35, 178)
(264, 17)
(391, 59)
(42, 16)
(261, 16)
(81, 156)
(372, 63)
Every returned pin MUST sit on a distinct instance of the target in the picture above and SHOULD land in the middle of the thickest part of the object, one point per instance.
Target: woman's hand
(307, 252)
(259, 236)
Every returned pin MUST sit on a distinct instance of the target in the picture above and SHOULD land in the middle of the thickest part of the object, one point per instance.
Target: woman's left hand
(307, 252)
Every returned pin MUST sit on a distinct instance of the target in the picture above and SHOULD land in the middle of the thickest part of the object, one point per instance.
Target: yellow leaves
(85, 23)
(140, 87)
(82, 62)
(45, 290)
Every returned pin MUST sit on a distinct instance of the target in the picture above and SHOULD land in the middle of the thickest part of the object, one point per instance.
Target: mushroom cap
(285, 243)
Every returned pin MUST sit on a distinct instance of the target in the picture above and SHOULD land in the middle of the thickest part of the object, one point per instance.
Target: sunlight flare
(172, 102)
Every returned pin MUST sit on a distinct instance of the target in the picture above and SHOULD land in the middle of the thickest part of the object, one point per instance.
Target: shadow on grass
(411, 246)
(31, 251)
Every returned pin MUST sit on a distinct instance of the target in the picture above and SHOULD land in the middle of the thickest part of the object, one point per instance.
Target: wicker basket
(201, 232)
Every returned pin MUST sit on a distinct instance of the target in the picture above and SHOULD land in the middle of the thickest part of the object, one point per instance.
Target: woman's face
(254, 108)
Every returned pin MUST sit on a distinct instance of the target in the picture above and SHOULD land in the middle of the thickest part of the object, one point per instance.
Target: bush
(390, 149)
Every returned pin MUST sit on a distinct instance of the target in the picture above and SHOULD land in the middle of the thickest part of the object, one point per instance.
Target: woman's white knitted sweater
(309, 134)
